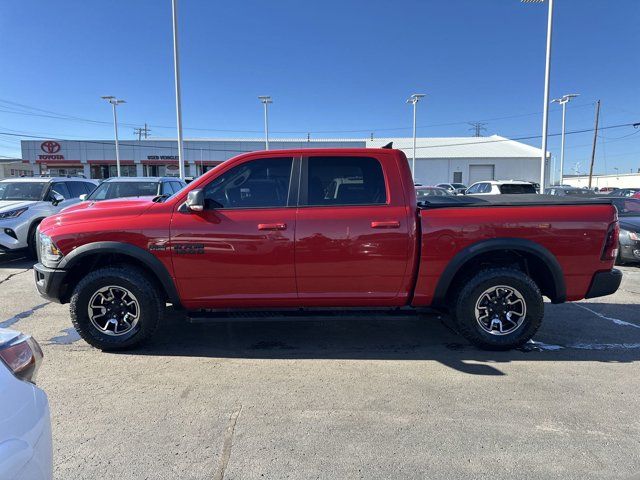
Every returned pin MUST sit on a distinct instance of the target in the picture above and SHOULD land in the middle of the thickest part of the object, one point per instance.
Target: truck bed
(510, 200)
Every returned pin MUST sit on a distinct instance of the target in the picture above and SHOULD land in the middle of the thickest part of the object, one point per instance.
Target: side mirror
(83, 197)
(195, 200)
(56, 198)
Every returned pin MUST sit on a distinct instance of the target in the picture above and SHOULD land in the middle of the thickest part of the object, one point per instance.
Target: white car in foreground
(25, 424)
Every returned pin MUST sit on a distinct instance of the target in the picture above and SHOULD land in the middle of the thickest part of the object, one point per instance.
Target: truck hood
(6, 205)
(95, 211)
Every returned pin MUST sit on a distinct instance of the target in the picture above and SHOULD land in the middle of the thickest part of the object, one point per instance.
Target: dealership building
(449, 159)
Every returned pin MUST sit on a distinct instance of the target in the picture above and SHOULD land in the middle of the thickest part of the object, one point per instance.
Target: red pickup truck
(315, 230)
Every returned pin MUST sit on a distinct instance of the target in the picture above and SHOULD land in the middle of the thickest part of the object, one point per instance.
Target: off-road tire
(151, 302)
(464, 303)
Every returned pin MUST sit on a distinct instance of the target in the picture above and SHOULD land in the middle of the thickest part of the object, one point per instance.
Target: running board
(301, 314)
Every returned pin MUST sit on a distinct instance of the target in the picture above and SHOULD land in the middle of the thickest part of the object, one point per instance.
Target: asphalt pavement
(370, 398)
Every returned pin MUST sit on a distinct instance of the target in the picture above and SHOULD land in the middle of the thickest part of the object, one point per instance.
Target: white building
(469, 159)
(623, 180)
(450, 159)
(15, 167)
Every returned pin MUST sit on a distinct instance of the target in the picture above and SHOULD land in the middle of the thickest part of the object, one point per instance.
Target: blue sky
(334, 68)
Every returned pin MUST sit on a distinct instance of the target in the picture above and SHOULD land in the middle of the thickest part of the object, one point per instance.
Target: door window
(76, 189)
(473, 188)
(262, 183)
(61, 189)
(345, 181)
(167, 188)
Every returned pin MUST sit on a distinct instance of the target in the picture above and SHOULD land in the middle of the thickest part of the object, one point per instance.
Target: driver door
(239, 251)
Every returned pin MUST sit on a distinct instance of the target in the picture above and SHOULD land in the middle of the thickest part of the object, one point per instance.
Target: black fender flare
(76, 256)
(496, 244)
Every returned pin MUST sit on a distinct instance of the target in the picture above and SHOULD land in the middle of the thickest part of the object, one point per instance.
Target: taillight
(610, 250)
(23, 357)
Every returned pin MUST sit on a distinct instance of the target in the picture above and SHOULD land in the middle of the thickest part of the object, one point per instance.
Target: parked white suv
(493, 187)
(24, 202)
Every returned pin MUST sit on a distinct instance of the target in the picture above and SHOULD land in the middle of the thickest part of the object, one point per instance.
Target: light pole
(176, 68)
(266, 100)
(114, 103)
(563, 101)
(547, 74)
(414, 99)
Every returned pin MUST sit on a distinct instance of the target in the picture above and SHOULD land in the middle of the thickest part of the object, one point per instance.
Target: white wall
(622, 181)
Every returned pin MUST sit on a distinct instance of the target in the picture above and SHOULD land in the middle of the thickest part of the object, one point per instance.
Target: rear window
(345, 181)
(508, 188)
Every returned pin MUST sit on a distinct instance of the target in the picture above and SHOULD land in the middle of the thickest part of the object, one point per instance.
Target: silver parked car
(25, 202)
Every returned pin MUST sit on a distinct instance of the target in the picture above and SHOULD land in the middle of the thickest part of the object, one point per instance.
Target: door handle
(272, 226)
(391, 224)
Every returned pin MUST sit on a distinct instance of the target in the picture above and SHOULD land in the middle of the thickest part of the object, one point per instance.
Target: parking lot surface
(329, 399)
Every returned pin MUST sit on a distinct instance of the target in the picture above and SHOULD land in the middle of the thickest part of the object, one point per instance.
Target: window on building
(259, 183)
(345, 181)
(457, 177)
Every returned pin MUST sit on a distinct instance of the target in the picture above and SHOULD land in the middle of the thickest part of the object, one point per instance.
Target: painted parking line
(617, 321)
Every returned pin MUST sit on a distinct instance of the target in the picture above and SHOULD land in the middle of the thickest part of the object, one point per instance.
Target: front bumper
(604, 283)
(50, 282)
(630, 252)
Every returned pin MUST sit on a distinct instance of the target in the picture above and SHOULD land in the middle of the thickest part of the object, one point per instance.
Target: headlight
(50, 255)
(634, 236)
(13, 213)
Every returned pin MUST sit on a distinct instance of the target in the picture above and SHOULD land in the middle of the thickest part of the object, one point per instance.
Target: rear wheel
(116, 307)
(498, 309)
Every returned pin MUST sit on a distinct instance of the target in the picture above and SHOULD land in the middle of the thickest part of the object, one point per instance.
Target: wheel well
(98, 260)
(529, 263)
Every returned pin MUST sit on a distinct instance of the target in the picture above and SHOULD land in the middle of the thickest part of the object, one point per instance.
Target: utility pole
(114, 103)
(142, 132)
(414, 99)
(595, 138)
(176, 71)
(266, 100)
(477, 127)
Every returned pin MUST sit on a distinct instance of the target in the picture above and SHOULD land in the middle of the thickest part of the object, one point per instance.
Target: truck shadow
(413, 338)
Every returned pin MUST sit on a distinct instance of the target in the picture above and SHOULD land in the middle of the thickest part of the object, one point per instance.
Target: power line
(478, 127)
(484, 141)
(60, 116)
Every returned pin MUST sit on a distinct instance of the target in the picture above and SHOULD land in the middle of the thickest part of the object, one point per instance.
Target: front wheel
(114, 308)
(498, 309)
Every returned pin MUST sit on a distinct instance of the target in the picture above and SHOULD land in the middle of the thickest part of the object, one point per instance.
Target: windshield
(627, 207)
(22, 190)
(517, 188)
(109, 190)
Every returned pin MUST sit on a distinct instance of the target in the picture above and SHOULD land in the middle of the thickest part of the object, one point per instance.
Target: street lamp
(114, 103)
(176, 71)
(547, 74)
(414, 99)
(563, 101)
(266, 100)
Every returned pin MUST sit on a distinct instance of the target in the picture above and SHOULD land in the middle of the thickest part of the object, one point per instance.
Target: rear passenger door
(352, 236)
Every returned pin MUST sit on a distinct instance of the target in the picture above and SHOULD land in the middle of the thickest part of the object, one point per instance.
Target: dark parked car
(569, 191)
(422, 192)
(629, 215)
(453, 188)
(624, 192)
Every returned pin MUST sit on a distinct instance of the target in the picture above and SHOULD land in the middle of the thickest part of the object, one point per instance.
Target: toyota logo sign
(50, 147)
